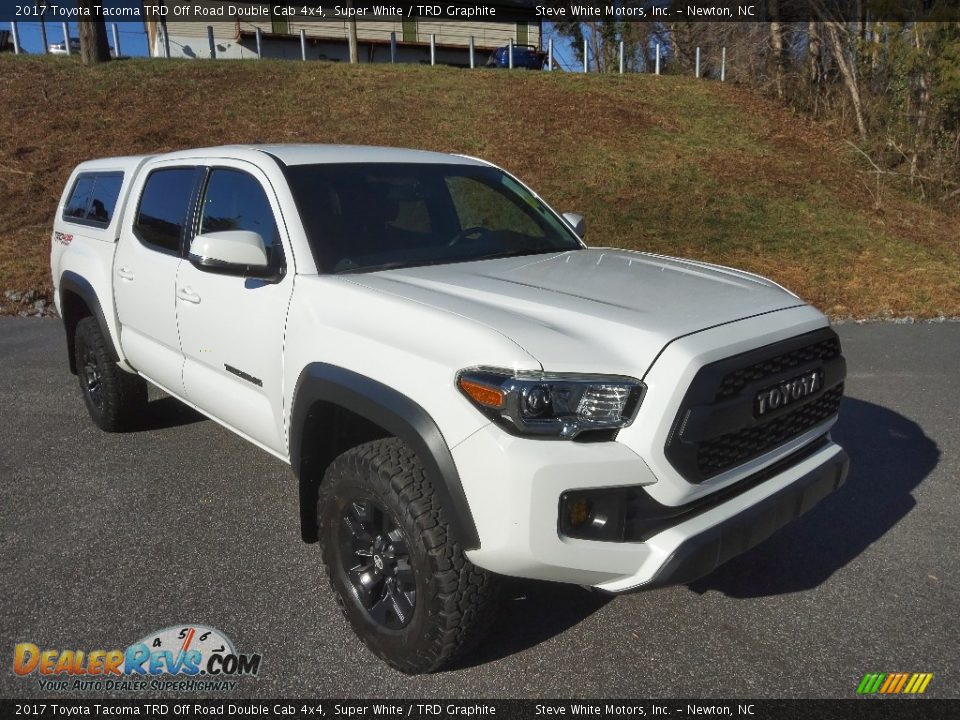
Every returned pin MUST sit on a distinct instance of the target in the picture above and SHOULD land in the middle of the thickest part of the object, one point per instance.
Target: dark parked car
(524, 56)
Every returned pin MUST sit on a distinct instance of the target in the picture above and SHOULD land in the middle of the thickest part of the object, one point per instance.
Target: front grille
(737, 447)
(735, 381)
(716, 428)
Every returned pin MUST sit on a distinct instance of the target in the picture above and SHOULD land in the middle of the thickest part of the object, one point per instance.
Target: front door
(231, 327)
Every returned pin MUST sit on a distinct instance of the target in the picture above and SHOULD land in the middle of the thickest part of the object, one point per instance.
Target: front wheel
(403, 583)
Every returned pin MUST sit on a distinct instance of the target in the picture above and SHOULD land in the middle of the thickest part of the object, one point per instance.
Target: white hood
(593, 310)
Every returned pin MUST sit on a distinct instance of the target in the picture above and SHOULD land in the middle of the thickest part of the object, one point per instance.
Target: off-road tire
(455, 600)
(117, 402)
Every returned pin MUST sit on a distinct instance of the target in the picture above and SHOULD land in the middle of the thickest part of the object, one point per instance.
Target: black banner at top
(667, 11)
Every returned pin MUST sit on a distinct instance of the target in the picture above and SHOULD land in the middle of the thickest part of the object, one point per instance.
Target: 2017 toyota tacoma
(462, 387)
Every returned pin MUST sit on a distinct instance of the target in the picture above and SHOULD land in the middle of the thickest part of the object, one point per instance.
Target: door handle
(188, 295)
(125, 273)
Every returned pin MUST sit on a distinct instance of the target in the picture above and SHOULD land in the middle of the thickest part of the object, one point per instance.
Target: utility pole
(352, 31)
(43, 27)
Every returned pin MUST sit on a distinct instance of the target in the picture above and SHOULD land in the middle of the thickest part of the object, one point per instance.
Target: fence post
(550, 55)
(621, 57)
(510, 53)
(723, 65)
(15, 35)
(696, 72)
(303, 44)
(259, 44)
(43, 36)
(473, 57)
(166, 41)
(213, 45)
(433, 49)
(658, 59)
(66, 38)
(116, 41)
(586, 57)
(393, 47)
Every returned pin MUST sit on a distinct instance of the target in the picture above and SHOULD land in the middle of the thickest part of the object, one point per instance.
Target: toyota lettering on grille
(787, 392)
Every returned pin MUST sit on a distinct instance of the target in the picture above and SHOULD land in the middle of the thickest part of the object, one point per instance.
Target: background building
(328, 40)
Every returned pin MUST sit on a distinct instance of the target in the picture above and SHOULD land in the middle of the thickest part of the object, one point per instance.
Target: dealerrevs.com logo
(186, 657)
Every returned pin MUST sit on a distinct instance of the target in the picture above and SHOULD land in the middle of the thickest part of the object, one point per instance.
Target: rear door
(145, 267)
(232, 327)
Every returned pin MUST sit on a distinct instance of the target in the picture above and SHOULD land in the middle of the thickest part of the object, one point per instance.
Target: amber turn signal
(579, 511)
(482, 394)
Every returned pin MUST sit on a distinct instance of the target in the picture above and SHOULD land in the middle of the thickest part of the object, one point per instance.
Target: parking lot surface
(105, 538)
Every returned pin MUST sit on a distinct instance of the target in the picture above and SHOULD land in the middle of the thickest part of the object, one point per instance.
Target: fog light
(579, 512)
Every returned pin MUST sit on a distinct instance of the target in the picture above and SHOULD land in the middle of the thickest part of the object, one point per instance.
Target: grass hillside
(665, 164)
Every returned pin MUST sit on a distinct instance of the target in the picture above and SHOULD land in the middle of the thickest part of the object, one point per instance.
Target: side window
(93, 198)
(164, 203)
(79, 201)
(235, 200)
(103, 199)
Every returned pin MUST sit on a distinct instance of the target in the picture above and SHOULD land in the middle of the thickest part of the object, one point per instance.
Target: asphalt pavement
(105, 538)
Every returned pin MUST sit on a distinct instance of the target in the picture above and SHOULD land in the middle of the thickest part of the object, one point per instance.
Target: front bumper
(701, 554)
(514, 496)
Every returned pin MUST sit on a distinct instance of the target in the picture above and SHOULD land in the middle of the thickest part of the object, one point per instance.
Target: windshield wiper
(398, 264)
(375, 268)
(514, 253)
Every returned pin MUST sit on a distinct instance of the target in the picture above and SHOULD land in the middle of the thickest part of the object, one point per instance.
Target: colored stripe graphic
(894, 683)
(871, 683)
(891, 679)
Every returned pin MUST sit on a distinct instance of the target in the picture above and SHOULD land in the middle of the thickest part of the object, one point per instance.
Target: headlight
(552, 404)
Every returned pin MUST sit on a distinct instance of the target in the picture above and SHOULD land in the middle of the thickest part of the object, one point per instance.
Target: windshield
(375, 216)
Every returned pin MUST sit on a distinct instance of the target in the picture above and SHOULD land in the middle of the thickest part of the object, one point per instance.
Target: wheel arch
(78, 300)
(335, 409)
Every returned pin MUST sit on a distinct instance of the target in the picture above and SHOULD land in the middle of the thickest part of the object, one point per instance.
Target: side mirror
(233, 252)
(577, 222)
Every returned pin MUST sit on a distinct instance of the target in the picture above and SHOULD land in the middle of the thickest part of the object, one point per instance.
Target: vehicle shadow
(531, 613)
(166, 412)
(889, 456)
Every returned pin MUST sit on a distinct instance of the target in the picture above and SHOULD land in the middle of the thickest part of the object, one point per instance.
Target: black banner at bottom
(893, 709)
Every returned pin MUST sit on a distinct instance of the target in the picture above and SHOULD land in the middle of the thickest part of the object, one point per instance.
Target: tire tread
(466, 594)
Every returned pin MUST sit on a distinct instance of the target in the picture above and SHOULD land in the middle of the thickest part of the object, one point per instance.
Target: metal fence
(550, 65)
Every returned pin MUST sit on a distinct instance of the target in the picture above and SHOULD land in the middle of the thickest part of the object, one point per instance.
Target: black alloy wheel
(376, 559)
(92, 380)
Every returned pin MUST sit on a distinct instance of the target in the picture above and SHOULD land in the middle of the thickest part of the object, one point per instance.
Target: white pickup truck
(462, 387)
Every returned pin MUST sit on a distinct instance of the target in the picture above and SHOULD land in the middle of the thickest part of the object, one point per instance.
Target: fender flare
(80, 286)
(398, 415)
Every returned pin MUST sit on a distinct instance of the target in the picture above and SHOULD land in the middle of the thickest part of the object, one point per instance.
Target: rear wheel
(403, 583)
(115, 399)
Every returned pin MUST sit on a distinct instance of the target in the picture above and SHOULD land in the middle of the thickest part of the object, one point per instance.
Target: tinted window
(106, 190)
(79, 199)
(94, 198)
(235, 200)
(370, 216)
(163, 207)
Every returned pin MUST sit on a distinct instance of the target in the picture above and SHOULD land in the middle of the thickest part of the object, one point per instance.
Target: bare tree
(814, 50)
(843, 44)
(778, 55)
(93, 34)
(844, 53)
